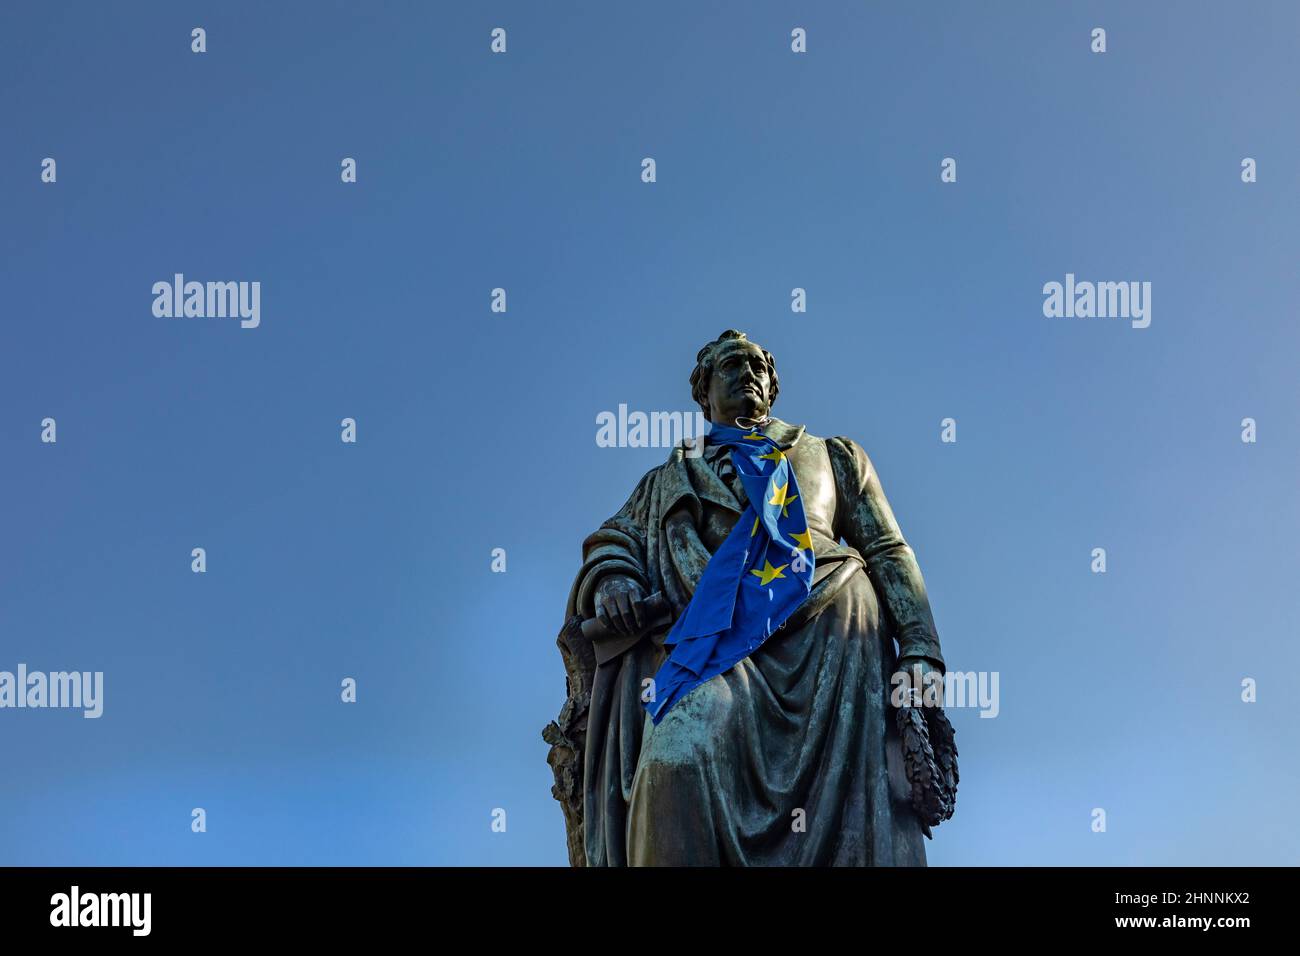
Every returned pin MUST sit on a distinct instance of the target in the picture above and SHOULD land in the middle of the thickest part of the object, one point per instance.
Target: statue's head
(733, 378)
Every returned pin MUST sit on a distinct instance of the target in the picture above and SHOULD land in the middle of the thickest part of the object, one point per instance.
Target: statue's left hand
(618, 604)
(914, 673)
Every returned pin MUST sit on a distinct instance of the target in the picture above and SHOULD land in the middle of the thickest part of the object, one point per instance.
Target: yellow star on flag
(803, 539)
(768, 573)
(779, 498)
(754, 530)
(775, 455)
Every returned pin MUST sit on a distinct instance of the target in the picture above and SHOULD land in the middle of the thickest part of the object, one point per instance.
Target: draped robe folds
(791, 757)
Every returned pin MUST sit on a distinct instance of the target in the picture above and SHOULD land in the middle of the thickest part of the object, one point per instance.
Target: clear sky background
(477, 430)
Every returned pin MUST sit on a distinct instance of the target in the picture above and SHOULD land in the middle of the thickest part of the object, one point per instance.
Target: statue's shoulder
(691, 447)
(650, 477)
(844, 444)
(808, 447)
(669, 471)
(639, 501)
(849, 460)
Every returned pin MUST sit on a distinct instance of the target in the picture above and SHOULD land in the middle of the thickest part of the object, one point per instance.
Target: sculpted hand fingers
(628, 625)
(602, 615)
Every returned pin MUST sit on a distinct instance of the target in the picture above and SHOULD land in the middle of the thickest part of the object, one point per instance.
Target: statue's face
(740, 383)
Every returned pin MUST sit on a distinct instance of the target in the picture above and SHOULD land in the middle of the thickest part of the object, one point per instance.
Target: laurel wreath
(930, 760)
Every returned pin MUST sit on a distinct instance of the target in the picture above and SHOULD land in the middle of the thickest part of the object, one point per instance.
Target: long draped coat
(790, 757)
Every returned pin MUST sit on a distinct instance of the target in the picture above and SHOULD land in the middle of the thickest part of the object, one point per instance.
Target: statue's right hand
(618, 604)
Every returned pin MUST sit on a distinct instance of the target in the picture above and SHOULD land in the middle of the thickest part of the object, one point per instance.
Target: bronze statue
(793, 756)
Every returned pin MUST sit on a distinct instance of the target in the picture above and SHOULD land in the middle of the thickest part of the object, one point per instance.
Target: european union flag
(754, 581)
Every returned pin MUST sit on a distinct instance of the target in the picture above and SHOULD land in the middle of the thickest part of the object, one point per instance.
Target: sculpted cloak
(790, 757)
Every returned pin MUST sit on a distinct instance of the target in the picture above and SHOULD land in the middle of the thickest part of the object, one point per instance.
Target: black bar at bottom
(205, 905)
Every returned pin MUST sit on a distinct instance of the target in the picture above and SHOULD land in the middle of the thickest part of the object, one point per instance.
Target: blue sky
(477, 430)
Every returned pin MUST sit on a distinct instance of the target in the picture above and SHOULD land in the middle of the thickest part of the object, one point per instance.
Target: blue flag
(757, 578)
